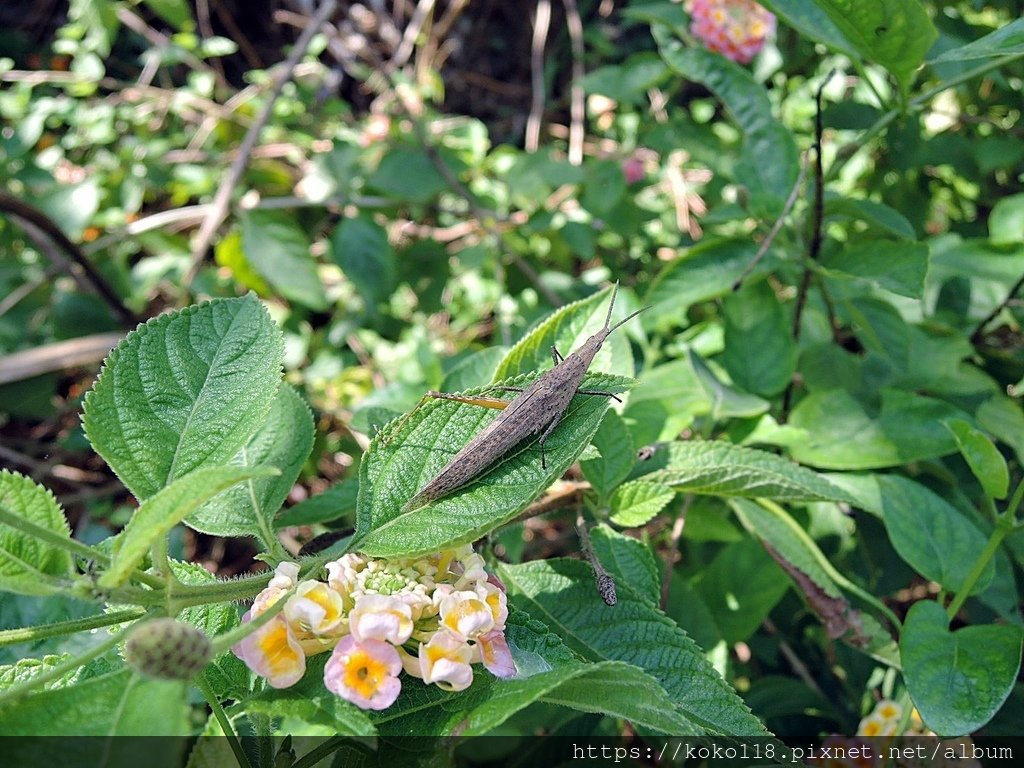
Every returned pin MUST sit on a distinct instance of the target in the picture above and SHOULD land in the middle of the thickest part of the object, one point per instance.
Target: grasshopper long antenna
(628, 317)
(611, 306)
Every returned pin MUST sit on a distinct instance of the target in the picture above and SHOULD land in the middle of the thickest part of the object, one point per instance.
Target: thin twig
(412, 31)
(814, 249)
(673, 547)
(979, 332)
(776, 227)
(160, 40)
(33, 216)
(234, 174)
(576, 110)
(541, 24)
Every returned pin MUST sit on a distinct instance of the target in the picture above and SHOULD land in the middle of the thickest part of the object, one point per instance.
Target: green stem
(184, 596)
(823, 562)
(1003, 526)
(321, 751)
(18, 691)
(222, 718)
(1015, 500)
(57, 629)
(68, 544)
(847, 151)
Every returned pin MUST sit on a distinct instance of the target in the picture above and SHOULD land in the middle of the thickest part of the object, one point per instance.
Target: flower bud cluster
(736, 29)
(433, 617)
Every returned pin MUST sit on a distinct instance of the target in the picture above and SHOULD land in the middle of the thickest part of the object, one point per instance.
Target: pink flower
(495, 654)
(445, 661)
(273, 652)
(736, 29)
(381, 617)
(364, 673)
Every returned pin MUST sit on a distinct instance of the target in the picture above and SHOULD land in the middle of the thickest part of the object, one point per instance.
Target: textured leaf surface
(894, 265)
(283, 441)
(1005, 41)
(958, 680)
(759, 354)
(185, 390)
(392, 473)
(157, 515)
(617, 455)
(562, 594)
(636, 502)
(567, 329)
(26, 562)
(118, 703)
(718, 468)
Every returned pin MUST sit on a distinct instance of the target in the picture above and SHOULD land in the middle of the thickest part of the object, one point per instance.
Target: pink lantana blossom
(737, 29)
(364, 673)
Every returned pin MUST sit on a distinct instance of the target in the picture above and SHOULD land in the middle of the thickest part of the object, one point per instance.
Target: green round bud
(168, 649)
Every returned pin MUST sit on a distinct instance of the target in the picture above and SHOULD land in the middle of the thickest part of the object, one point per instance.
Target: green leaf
(566, 329)
(283, 441)
(158, 514)
(118, 703)
(279, 250)
(726, 401)
(759, 354)
(810, 21)
(740, 587)
(1008, 40)
(183, 391)
(174, 12)
(29, 566)
(1006, 222)
(408, 174)
(618, 455)
(629, 561)
(894, 33)
(839, 433)
(320, 713)
(878, 215)
(702, 272)
(636, 502)
(562, 594)
(361, 248)
(984, 459)
(718, 468)
(747, 102)
(930, 534)
(628, 82)
(336, 502)
(665, 402)
(391, 473)
(892, 265)
(957, 680)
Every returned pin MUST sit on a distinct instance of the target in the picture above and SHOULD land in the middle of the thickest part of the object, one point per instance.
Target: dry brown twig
(222, 198)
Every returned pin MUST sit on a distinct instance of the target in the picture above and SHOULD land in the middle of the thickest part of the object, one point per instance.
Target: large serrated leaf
(562, 594)
(183, 391)
(284, 441)
(27, 565)
(718, 468)
(636, 502)
(893, 265)
(158, 514)
(118, 703)
(399, 463)
(566, 329)
(547, 672)
(769, 161)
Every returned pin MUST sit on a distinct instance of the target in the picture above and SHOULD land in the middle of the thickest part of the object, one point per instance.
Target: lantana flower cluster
(737, 29)
(433, 617)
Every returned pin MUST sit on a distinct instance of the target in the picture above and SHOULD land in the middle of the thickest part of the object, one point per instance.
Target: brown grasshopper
(536, 409)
